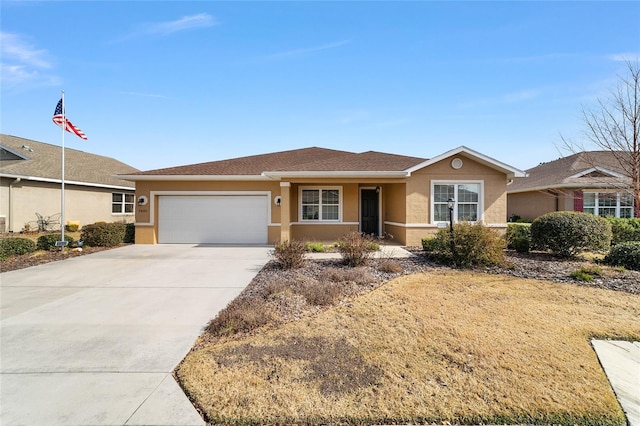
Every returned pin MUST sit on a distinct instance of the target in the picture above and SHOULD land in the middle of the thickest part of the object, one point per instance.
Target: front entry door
(369, 212)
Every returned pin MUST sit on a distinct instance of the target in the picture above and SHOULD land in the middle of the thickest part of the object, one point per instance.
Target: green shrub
(48, 242)
(102, 234)
(429, 244)
(569, 233)
(14, 246)
(356, 249)
(624, 229)
(521, 244)
(130, 233)
(314, 247)
(290, 254)
(517, 230)
(473, 245)
(625, 254)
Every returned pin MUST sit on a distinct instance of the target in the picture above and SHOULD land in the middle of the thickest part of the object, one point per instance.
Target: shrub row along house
(593, 182)
(319, 194)
(30, 183)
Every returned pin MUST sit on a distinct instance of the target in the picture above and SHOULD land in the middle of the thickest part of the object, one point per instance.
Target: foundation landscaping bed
(405, 341)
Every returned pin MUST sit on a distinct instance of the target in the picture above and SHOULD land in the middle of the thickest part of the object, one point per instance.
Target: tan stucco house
(30, 183)
(591, 181)
(318, 194)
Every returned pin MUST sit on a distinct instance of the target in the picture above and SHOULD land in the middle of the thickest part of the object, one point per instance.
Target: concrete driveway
(93, 340)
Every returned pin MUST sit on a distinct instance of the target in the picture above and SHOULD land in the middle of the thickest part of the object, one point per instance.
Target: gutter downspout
(11, 203)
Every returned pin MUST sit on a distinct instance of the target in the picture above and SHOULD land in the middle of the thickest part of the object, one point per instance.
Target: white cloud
(23, 64)
(14, 47)
(624, 57)
(200, 20)
(508, 98)
(305, 50)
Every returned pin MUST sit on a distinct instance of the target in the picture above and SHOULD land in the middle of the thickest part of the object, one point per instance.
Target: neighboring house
(318, 194)
(30, 183)
(592, 182)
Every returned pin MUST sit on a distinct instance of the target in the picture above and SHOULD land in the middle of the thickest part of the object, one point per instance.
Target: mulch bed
(535, 265)
(41, 257)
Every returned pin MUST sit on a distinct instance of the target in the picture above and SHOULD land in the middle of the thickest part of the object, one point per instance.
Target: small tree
(614, 126)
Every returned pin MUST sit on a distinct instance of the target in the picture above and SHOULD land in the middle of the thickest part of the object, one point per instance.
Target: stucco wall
(82, 204)
(418, 200)
(529, 205)
(321, 232)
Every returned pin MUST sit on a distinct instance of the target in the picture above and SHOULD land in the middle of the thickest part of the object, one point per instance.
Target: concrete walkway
(621, 363)
(93, 340)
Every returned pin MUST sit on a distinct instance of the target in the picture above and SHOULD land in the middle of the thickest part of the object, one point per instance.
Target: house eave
(510, 171)
(336, 174)
(611, 173)
(67, 182)
(569, 186)
(187, 178)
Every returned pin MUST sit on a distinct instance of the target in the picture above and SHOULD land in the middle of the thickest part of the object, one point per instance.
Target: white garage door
(213, 219)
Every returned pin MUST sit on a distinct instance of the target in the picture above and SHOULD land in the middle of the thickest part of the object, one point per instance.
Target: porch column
(285, 211)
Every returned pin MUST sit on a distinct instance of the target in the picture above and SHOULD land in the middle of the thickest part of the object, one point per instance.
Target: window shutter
(578, 201)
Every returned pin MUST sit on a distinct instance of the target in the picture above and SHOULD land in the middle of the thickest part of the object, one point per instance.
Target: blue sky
(158, 83)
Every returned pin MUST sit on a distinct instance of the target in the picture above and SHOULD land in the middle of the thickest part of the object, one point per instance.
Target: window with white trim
(320, 204)
(466, 198)
(616, 204)
(122, 203)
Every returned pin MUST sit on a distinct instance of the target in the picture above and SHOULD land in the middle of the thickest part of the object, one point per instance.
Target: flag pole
(64, 121)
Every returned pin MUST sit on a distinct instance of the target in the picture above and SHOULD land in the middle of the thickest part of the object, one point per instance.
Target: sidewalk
(384, 252)
(621, 363)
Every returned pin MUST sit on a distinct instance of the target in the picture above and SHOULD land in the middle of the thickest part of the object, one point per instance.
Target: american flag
(69, 127)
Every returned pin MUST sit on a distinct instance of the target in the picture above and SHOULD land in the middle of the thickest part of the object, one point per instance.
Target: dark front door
(369, 216)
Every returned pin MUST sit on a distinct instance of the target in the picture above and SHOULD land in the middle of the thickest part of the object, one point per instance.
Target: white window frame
(597, 206)
(320, 189)
(123, 203)
(432, 202)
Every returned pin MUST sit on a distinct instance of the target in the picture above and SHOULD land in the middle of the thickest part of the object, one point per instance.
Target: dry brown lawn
(447, 346)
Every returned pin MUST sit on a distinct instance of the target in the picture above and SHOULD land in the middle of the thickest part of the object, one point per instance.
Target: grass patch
(315, 247)
(586, 273)
(452, 346)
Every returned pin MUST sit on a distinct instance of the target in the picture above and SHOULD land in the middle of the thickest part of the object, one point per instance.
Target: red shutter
(578, 201)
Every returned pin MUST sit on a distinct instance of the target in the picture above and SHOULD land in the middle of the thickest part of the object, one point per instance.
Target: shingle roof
(298, 160)
(562, 172)
(43, 161)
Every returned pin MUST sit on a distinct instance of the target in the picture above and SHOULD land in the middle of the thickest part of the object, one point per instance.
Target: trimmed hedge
(103, 234)
(474, 245)
(625, 254)
(569, 233)
(48, 242)
(15, 246)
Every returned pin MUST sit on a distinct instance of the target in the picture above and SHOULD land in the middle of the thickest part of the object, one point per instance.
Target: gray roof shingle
(560, 173)
(42, 160)
(298, 160)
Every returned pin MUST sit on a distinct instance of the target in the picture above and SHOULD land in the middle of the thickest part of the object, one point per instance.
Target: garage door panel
(217, 219)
